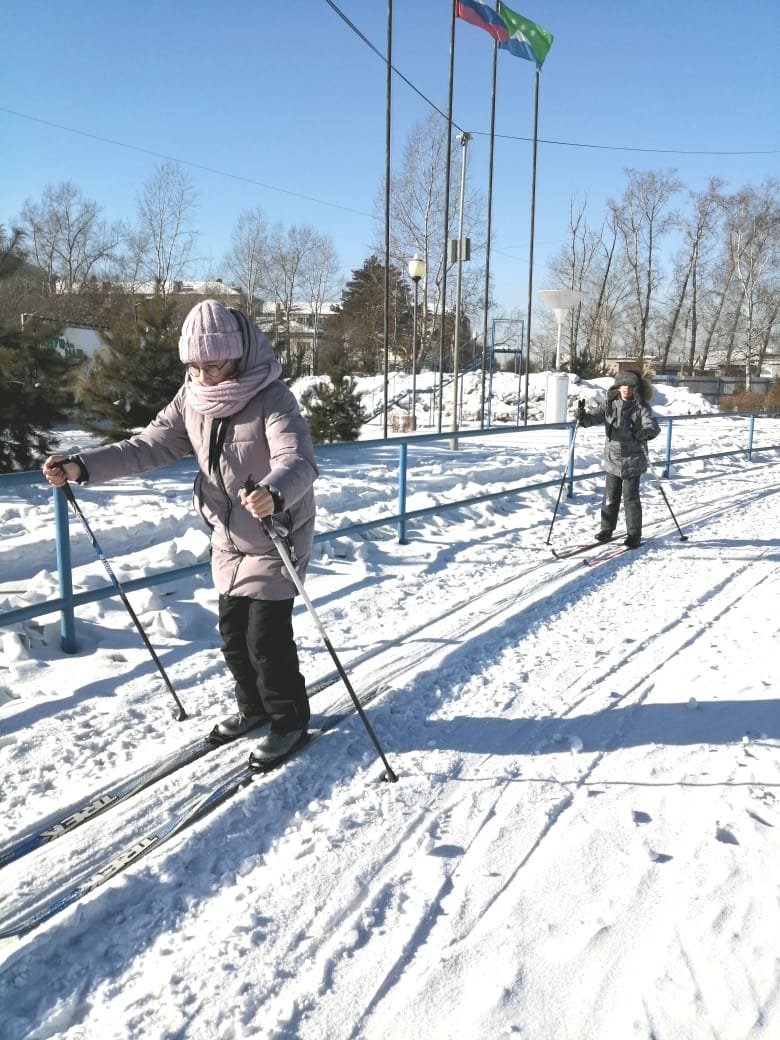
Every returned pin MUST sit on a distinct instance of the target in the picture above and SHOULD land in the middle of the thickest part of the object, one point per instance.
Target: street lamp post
(416, 272)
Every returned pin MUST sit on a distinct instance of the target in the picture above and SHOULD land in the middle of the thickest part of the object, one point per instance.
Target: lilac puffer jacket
(268, 440)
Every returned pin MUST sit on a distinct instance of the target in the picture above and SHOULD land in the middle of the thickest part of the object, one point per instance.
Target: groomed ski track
(494, 805)
(514, 594)
(524, 592)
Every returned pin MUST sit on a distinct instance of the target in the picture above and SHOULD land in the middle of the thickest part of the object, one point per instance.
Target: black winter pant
(632, 507)
(260, 651)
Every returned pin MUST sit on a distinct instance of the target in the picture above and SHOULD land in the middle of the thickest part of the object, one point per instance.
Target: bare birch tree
(288, 250)
(417, 220)
(696, 229)
(164, 239)
(319, 282)
(753, 235)
(713, 312)
(587, 264)
(67, 237)
(642, 219)
(248, 255)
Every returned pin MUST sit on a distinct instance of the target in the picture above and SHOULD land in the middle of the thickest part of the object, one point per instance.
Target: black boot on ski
(235, 726)
(604, 535)
(273, 748)
(633, 541)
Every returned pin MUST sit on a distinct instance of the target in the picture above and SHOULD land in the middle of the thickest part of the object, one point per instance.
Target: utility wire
(181, 162)
(348, 209)
(516, 137)
(361, 36)
(628, 148)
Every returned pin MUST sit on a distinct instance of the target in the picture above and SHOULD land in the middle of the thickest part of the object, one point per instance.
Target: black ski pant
(260, 651)
(628, 487)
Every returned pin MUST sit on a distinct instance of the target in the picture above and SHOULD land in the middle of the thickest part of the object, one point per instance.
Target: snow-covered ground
(584, 840)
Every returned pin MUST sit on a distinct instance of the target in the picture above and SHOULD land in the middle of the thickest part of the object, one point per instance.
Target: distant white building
(300, 337)
(208, 287)
(771, 366)
(301, 310)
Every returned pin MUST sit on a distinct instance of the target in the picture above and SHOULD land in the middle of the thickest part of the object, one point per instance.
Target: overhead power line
(348, 209)
(541, 140)
(181, 162)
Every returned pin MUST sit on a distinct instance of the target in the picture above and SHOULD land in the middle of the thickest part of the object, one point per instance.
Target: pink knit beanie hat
(211, 332)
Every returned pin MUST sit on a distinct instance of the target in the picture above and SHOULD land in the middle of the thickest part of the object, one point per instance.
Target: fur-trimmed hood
(640, 384)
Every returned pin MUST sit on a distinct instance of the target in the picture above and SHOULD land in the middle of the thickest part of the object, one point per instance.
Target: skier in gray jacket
(630, 424)
(239, 419)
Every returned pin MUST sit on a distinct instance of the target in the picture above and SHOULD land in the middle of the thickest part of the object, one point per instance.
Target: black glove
(581, 412)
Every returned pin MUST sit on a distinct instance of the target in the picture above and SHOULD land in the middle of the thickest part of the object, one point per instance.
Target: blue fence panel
(67, 602)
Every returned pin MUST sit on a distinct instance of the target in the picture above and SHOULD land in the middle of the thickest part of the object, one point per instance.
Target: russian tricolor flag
(483, 17)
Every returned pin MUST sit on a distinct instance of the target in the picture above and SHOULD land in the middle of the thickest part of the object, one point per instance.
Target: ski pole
(683, 537)
(281, 548)
(563, 478)
(68, 492)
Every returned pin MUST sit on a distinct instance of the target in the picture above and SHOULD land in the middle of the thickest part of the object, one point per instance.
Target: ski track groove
(378, 891)
(373, 893)
(482, 614)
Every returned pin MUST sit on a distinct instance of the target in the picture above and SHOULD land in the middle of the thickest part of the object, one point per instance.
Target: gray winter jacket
(629, 426)
(268, 440)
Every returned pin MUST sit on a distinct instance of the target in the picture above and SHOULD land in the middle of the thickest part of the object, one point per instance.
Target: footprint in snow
(640, 817)
(658, 857)
(724, 835)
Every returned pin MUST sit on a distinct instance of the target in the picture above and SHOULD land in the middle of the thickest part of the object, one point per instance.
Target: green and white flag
(526, 39)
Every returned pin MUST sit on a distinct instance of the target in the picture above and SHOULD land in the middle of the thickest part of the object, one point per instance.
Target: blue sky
(281, 105)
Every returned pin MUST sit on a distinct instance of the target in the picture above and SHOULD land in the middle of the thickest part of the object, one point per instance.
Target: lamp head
(416, 268)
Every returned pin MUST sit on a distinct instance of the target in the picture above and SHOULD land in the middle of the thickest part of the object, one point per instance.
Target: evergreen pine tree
(136, 375)
(332, 407)
(34, 381)
(358, 323)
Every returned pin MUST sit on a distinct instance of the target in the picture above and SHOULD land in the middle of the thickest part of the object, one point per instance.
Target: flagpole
(489, 228)
(531, 246)
(386, 330)
(443, 317)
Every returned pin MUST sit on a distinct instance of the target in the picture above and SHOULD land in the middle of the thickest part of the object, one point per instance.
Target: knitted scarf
(257, 368)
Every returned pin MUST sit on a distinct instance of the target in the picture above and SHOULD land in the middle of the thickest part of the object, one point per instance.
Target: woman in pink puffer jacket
(239, 419)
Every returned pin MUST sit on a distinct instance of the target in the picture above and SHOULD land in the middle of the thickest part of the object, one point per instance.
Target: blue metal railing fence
(68, 600)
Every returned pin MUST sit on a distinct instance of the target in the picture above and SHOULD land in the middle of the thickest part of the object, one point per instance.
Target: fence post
(668, 453)
(402, 452)
(751, 428)
(64, 571)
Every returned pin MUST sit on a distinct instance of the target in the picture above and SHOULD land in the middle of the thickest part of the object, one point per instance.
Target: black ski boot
(235, 726)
